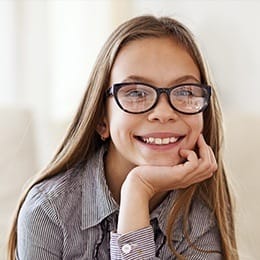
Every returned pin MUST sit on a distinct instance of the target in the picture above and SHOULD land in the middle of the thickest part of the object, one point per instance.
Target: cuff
(137, 244)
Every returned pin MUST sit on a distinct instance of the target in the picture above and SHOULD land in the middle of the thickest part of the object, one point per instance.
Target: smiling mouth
(159, 141)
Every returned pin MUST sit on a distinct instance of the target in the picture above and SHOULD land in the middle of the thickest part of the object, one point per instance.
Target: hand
(143, 182)
(196, 168)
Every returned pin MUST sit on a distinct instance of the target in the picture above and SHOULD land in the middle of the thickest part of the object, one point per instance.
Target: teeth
(150, 140)
(166, 140)
(160, 141)
(173, 139)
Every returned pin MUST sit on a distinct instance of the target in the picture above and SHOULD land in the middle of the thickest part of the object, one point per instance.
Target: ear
(103, 128)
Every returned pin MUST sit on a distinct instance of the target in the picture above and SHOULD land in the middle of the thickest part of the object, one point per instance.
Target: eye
(188, 91)
(183, 92)
(136, 93)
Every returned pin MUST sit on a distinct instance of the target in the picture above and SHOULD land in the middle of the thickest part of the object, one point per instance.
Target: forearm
(134, 206)
(135, 236)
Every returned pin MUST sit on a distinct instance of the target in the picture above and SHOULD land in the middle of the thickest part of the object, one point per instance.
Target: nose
(163, 112)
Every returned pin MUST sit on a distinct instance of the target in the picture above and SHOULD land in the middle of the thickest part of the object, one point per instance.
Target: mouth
(159, 141)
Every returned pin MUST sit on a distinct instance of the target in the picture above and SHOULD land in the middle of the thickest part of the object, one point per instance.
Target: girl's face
(162, 63)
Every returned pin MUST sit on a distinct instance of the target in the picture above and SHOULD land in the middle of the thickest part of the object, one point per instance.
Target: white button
(126, 248)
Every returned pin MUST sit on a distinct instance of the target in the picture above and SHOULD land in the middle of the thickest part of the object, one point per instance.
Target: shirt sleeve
(209, 244)
(205, 241)
(39, 235)
(138, 244)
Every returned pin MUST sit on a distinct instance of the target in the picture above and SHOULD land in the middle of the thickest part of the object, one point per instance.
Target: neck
(116, 175)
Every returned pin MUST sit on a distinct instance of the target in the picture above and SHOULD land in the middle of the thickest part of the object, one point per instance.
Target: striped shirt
(74, 216)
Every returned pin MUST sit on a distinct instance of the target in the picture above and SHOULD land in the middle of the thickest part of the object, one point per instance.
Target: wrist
(135, 184)
(134, 205)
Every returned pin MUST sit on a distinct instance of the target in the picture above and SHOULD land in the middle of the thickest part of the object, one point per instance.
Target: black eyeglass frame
(113, 90)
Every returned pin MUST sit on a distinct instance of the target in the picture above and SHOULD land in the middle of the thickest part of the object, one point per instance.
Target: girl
(139, 174)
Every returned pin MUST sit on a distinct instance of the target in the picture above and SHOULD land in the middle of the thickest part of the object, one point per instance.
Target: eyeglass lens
(138, 98)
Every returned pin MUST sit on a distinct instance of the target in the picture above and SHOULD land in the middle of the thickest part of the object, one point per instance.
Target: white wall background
(48, 47)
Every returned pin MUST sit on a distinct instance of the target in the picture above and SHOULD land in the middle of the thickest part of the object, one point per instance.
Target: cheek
(196, 119)
(195, 124)
(120, 123)
(199, 123)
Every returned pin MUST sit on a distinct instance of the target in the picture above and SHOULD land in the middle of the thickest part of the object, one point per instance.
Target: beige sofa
(18, 163)
(242, 155)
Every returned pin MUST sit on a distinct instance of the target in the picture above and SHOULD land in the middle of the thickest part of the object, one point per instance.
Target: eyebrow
(179, 80)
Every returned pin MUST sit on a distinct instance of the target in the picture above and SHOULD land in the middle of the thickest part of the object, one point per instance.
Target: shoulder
(44, 216)
(62, 184)
(54, 198)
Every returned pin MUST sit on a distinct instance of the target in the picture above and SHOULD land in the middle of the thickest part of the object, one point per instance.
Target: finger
(207, 162)
(198, 169)
(213, 160)
(208, 157)
(203, 148)
(202, 178)
(189, 155)
(191, 159)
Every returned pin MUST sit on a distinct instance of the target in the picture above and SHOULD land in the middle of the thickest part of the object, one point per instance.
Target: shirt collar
(97, 200)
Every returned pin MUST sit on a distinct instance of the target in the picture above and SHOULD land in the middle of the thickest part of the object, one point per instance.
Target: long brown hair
(82, 139)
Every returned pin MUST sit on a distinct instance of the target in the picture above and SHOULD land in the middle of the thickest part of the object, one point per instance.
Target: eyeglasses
(137, 98)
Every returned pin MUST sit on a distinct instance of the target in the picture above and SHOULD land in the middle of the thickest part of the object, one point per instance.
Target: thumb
(188, 155)
(185, 153)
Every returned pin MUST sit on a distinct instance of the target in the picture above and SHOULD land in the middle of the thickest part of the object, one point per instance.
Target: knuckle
(210, 166)
(214, 167)
(194, 165)
(211, 173)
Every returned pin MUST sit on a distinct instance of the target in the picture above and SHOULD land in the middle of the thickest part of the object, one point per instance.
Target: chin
(166, 162)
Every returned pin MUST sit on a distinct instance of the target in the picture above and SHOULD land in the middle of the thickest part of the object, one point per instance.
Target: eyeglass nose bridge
(163, 90)
(166, 91)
